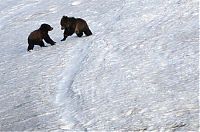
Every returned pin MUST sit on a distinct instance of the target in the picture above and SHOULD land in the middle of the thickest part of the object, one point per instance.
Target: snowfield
(138, 71)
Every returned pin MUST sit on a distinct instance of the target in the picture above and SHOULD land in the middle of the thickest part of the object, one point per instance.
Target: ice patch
(76, 3)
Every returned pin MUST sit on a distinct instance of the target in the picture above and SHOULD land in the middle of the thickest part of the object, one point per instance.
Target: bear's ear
(65, 17)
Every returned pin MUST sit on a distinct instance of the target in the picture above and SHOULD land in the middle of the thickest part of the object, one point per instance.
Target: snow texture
(138, 71)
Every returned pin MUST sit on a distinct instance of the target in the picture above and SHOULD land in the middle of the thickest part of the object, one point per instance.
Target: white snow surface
(137, 72)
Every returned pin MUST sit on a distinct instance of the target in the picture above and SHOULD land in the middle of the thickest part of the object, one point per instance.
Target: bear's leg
(88, 32)
(41, 44)
(65, 35)
(64, 38)
(47, 39)
(79, 34)
(30, 47)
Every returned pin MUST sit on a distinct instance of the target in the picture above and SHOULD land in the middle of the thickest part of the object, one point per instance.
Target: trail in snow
(66, 95)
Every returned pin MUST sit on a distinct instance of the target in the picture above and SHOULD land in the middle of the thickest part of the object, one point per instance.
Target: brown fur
(36, 37)
(74, 25)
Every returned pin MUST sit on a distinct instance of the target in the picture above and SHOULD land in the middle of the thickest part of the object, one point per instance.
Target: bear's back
(36, 35)
(81, 24)
(80, 20)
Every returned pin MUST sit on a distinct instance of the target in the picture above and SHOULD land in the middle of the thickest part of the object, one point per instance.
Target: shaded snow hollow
(137, 72)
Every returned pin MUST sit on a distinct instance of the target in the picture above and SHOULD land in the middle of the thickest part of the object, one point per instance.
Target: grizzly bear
(36, 37)
(74, 25)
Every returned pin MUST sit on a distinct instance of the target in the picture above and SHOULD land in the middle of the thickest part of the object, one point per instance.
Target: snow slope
(138, 71)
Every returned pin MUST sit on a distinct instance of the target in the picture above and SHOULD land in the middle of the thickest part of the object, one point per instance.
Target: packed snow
(137, 72)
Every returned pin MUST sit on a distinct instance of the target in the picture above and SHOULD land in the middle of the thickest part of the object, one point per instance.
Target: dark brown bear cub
(36, 37)
(74, 25)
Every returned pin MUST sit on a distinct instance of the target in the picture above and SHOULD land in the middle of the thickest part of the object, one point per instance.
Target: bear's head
(67, 22)
(46, 27)
(64, 22)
